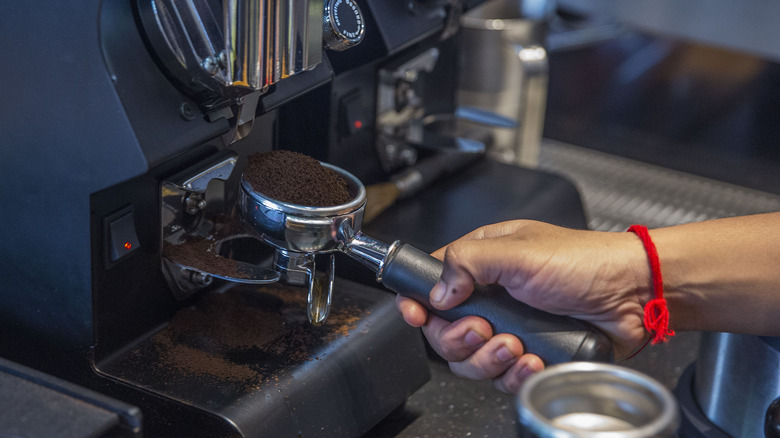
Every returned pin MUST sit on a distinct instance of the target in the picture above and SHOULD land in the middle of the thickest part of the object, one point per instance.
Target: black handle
(430, 169)
(554, 338)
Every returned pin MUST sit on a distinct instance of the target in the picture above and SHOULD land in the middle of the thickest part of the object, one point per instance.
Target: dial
(344, 25)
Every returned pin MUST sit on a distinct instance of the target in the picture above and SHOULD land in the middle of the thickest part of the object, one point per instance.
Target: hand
(602, 278)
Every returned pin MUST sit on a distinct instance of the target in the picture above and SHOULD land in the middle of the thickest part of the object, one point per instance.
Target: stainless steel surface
(254, 274)
(192, 34)
(370, 252)
(256, 43)
(183, 204)
(301, 228)
(485, 118)
(300, 269)
(296, 36)
(736, 379)
(246, 51)
(300, 232)
(583, 399)
(400, 110)
(320, 295)
(505, 71)
(618, 192)
(404, 125)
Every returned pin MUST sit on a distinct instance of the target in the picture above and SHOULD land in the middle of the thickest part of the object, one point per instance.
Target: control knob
(343, 25)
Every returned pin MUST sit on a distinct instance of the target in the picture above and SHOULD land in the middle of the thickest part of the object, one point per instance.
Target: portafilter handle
(412, 273)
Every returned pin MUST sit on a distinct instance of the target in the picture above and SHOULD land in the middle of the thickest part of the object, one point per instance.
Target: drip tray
(249, 356)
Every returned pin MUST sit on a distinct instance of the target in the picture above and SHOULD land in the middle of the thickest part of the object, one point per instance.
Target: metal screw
(200, 278)
(210, 64)
(194, 203)
(188, 111)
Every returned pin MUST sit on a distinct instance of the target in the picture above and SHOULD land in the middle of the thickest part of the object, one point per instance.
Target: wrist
(656, 311)
(638, 287)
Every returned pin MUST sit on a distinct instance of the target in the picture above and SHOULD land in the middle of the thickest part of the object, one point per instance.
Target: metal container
(503, 69)
(595, 400)
(736, 380)
(302, 228)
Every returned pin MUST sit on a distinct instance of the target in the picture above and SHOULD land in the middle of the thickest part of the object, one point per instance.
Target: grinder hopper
(300, 232)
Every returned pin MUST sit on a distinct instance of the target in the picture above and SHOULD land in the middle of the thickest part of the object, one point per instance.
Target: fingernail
(472, 339)
(438, 291)
(504, 355)
(526, 372)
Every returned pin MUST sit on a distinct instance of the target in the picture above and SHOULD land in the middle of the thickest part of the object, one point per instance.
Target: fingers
(491, 360)
(511, 381)
(413, 312)
(471, 349)
(458, 340)
(501, 359)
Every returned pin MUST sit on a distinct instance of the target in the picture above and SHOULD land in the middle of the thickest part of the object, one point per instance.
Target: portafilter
(300, 232)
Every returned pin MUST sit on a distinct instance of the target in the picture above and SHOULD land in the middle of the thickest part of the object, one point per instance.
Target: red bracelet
(656, 317)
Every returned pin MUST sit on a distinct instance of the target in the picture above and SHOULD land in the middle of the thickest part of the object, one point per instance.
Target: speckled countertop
(450, 407)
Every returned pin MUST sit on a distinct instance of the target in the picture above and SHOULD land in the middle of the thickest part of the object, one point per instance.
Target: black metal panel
(250, 362)
(400, 26)
(36, 405)
(64, 136)
(355, 151)
(154, 106)
(131, 296)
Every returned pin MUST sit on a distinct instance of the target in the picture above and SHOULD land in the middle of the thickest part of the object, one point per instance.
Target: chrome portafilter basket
(300, 233)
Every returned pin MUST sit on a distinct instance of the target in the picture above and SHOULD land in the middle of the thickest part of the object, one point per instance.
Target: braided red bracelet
(656, 317)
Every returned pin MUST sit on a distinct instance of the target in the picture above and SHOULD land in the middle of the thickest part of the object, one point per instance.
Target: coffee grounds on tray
(201, 253)
(224, 335)
(295, 178)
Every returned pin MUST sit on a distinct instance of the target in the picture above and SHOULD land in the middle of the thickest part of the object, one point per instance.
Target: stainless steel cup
(736, 379)
(503, 70)
(595, 400)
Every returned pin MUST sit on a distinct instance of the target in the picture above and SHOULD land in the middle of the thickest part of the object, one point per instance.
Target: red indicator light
(358, 124)
(128, 245)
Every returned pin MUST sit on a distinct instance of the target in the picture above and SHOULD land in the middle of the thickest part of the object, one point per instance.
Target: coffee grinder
(133, 135)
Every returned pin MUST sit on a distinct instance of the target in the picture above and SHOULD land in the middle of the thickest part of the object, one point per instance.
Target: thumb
(465, 263)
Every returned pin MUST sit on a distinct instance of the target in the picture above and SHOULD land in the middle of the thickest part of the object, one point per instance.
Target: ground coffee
(296, 179)
(201, 253)
(248, 335)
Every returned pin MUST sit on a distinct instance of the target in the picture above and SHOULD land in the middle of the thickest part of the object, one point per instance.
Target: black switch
(351, 115)
(122, 239)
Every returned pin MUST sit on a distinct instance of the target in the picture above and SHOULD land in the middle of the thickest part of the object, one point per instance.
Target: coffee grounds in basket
(295, 178)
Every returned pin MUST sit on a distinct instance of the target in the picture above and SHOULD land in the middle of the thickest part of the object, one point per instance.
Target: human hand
(602, 278)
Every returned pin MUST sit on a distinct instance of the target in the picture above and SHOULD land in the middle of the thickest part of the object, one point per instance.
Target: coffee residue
(201, 253)
(296, 178)
(246, 337)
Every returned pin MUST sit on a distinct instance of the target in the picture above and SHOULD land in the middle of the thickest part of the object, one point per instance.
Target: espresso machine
(127, 126)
